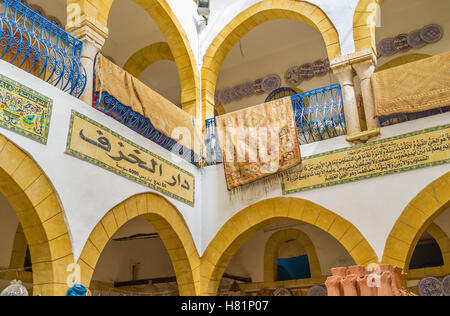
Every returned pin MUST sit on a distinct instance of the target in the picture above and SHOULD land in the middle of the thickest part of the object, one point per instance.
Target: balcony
(36, 45)
(319, 115)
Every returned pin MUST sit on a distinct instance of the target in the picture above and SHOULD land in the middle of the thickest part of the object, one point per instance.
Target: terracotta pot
(342, 272)
(349, 286)
(334, 287)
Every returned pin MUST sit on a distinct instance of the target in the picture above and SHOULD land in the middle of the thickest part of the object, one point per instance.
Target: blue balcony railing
(36, 45)
(110, 106)
(319, 115)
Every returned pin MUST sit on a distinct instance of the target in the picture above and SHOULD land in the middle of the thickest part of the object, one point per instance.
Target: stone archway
(273, 245)
(37, 207)
(414, 221)
(247, 20)
(146, 56)
(169, 25)
(246, 223)
(170, 226)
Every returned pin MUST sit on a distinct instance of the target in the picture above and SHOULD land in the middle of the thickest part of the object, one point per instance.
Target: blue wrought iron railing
(400, 118)
(141, 125)
(319, 115)
(33, 43)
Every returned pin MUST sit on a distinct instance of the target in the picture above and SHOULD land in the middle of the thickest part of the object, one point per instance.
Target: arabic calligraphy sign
(97, 144)
(24, 110)
(407, 152)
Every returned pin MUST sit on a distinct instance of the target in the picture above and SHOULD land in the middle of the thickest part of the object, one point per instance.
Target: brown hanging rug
(128, 90)
(415, 87)
(252, 175)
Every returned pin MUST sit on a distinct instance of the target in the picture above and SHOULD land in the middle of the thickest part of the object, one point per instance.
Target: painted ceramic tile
(397, 154)
(23, 110)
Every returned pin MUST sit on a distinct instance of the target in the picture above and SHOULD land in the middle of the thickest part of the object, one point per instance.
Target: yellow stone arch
(170, 27)
(37, 207)
(414, 221)
(169, 224)
(146, 56)
(246, 223)
(273, 246)
(247, 20)
(364, 24)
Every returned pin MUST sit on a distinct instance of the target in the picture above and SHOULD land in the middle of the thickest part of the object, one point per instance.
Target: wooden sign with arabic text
(93, 142)
(397, 154)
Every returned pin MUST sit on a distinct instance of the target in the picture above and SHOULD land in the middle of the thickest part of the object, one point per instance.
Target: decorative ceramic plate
(414, 39)
(430, 286)
(236, 93)
(247, 89)
(306, 72)
(386, 47)
(319, 68)
(282, 292)
(271, 82)
(317, 290)
(258, 87)
(225, 96)
(446, 285)
(432, 33)
(401, 43)
(292, 76)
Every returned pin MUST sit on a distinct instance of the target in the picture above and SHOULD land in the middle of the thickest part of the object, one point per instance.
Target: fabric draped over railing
(258, 143)
(163, 114)
(414, 87)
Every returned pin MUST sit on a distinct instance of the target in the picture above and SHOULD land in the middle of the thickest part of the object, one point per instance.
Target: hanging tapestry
(128, 90)
(24, 110)
(414, 87)
(258, 142)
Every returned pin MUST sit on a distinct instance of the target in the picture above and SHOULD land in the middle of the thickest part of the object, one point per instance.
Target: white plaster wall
(88, 192)
(373, 205)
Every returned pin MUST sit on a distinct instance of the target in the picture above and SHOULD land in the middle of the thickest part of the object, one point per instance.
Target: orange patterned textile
(258, 142)
(414, 87)
(163, 114)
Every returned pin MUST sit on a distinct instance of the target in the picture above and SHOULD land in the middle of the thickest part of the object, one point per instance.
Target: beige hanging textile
(258, 143)
(128, 90)
(415, 87)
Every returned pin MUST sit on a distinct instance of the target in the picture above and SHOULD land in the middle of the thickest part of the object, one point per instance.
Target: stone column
(365, 70)
(93, 35)
(344, 73)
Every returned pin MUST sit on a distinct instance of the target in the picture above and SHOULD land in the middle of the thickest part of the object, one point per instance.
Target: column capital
(364, 69)
(89, 30)
(354, 58)
(344, 73)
